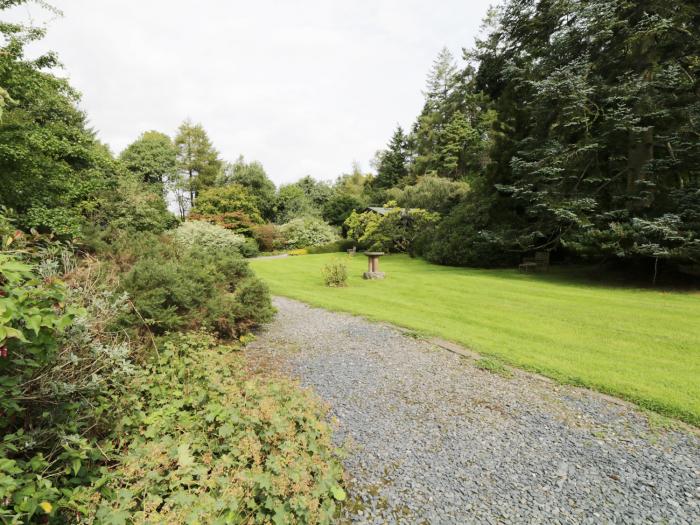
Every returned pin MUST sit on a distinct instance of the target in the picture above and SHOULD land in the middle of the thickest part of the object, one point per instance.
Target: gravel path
(433, 439)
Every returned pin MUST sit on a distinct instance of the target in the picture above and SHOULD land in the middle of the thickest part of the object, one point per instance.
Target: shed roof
(380, 211)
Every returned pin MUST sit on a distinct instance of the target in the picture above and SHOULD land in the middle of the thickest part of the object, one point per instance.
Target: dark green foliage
(463, 239)
(339, 207)
(197, 162)
(304, 198)
(134, 206)
(602, 153)
(51, 167)
(249, 248)
(450, 137)
(211, 289)
(393, 162)
(292, 203)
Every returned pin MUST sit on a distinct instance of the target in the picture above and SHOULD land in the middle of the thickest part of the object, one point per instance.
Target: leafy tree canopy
(152, 157)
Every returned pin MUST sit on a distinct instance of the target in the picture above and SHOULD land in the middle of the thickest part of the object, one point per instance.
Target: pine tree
(392, 167)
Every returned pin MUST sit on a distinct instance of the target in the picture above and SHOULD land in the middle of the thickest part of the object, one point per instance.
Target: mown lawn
(641, 345)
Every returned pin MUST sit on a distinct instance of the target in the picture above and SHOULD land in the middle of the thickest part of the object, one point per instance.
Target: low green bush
(182, 290)
(335, 274)
(206, 443)
(249, 248)
(307, 231)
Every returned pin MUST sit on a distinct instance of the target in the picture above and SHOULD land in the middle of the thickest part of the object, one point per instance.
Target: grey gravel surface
(431, 438)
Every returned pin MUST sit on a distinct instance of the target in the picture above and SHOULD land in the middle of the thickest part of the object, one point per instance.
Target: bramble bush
(307, 231)
(206, 443)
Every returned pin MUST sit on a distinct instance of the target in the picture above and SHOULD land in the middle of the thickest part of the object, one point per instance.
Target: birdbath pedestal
(373, 266)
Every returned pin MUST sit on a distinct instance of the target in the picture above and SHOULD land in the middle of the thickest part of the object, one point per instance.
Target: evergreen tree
(392, 165)
(198, 164)
(596, 142)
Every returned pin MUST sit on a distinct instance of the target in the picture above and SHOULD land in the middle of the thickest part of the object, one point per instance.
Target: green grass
(641, 345)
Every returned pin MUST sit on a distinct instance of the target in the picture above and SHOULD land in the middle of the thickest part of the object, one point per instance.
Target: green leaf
(7, 332)
(34, 323)
(184, 457)
(338, 493)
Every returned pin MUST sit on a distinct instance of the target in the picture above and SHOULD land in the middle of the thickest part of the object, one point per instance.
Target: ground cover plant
(641, 345)
(206, 442)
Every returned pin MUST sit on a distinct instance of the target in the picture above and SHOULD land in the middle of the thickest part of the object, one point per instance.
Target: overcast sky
(305, 87)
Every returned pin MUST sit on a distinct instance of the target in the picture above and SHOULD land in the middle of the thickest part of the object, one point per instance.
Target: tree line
(570, 127)
(576, 126)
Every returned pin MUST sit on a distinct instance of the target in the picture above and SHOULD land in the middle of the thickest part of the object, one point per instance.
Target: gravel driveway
(431, 438)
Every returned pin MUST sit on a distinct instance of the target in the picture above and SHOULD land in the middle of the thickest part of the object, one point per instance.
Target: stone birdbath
(373, 266)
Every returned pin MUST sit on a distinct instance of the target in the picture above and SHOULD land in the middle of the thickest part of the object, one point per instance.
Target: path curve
(433, 439)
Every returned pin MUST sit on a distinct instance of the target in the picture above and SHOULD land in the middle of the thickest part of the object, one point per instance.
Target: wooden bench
(531, 264)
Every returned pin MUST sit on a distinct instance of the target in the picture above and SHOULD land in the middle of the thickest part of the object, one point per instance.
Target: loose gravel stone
(433, 439)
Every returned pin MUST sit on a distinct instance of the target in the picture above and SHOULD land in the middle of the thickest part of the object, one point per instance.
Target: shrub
(60, 370)
(397, 231)
(193, 289)
(335, 274)
(342, 245)
(227, 199)
(462, 239)
(236, 221)
(206, 443)
(249, 248)
(307, 231)
(202, 236)
(135, 206)
(268, 237)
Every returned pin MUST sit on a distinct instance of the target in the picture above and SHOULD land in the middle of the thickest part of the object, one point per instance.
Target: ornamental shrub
(202, 236)
(268, 237)
(307, 231)
(227, 199)
(398, 231)
(335, 274)
(134, 206)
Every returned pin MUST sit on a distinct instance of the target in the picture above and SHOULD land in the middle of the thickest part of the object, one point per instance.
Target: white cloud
(306, 87)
